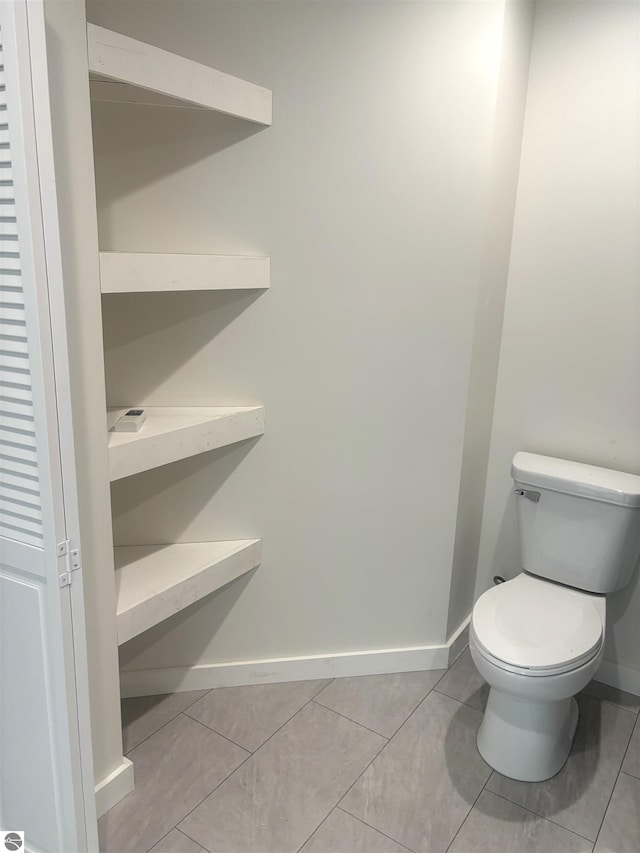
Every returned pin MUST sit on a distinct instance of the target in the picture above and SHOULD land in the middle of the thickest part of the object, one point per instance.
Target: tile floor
(376, 764)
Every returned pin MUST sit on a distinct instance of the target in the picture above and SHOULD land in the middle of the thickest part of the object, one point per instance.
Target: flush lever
(528, 494)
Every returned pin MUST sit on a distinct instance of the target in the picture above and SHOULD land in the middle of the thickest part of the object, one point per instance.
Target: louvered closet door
(20, 506)
(46, 776)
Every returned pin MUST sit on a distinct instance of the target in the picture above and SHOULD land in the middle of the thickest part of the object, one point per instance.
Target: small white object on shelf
(172, 433)
(168, 79)
(155, 581)
(131, 421)
(146, 272)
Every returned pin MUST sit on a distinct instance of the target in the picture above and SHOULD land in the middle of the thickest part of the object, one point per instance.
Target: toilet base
(527, 740)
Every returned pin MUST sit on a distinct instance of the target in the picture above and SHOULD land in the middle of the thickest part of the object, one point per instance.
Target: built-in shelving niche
(155, 581)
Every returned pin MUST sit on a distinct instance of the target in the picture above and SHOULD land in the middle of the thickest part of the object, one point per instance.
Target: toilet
(538, 639)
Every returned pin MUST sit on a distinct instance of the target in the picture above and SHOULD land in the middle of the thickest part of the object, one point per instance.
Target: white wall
(492, 284)
(569, 378)
(370, 193)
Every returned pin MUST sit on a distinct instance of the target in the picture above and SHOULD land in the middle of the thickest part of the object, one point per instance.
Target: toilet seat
(535, 627)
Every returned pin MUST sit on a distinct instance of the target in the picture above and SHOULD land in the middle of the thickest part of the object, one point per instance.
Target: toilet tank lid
(575, 478)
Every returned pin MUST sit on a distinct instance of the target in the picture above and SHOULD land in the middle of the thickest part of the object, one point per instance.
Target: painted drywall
(71, 121)
(492, 284)
(370, 194)
(569, 377)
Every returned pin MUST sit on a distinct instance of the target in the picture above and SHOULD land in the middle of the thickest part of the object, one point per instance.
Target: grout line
(160, 839)
(375, 829)
(447, 670)
(355, 722)
(169, 833)
(159, 729)
(222, 781)
(464, 820)
(615, 705)
(197, 700)
(384, 745)
(461, 701)
(541, 816)
(209, 729)
(341, 807)
(324, 686)
(388, 737)
(630, 775)
(324, 819)
(604, 816)
(191, 839)
(181, 711)
(633, 731)
(235, 770)
(186, 835)
(246, 749)
(459, 655)
(248, 756)
(635, 714)
(486, 781)
(387, 740)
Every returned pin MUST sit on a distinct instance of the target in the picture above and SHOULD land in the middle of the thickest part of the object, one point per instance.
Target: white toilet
(538, 639)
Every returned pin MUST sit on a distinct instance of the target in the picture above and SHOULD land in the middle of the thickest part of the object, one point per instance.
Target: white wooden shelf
(144, 74)
(146, 272)
(155, 581)
(170, 434)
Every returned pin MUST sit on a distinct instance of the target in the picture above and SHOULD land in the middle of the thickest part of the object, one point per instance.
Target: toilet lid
(537, 625)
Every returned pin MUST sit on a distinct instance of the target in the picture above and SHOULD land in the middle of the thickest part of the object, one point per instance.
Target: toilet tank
(579, 524)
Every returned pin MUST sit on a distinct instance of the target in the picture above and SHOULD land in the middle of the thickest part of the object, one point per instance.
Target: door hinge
(71, 562)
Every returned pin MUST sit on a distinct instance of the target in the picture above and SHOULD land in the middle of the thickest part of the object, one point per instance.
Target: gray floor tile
(144, 715)
(620, 831)
(342, 833)
(498, 826)
(176, 842)
(174, 770)
(249, 715)
(631, 763)
(379, 702)
(283, 792)
(421, 787)
(464, 683)
(577, 796)
(628, 701)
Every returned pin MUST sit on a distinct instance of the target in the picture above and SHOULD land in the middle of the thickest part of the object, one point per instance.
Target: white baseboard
(458, 641)
(616, 675)
(148, 682)
(114, 787)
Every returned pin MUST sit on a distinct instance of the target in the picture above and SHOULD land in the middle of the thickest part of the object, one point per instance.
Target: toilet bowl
(536, 643)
